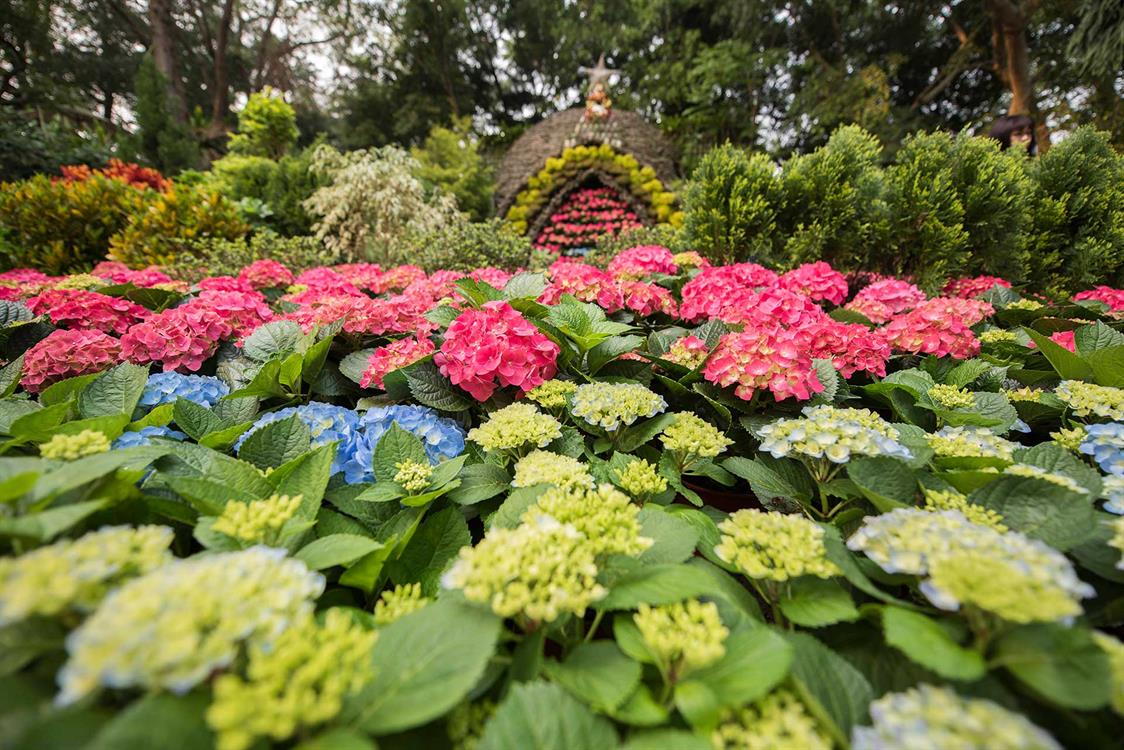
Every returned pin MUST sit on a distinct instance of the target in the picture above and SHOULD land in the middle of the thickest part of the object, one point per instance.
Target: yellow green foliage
(171, 222)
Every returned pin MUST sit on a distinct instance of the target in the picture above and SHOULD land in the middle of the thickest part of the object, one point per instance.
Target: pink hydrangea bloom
(394, 356)
(362, 275)
(644, 260)
(818, 281)
(359, 314)
(181, 338)
(1114, 298)
(225, 284)
(767, 358)
(325, 281)
(689, 351)
(931, 331)
(243, 311)
(11, 292)
(75, 308)
(647, 299)
(973, 286)
(772, 305)
(885, 298)
(706, 295)
(493, 347)
(266, 274)
(587, 283)
(119, 273)
(967, 311)
(397, 279)
(850, 347)
(496, 277)
(1064, 339)
(441, 285)
(67, 354)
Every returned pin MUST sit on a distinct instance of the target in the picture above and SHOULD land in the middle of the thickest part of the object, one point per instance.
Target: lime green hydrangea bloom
(779, 721)
(970, 442)
(1115, 650)
(1024, 304)
(540, 570)
(832, 433)
(76, 574)
(1037, 472)
(398, 602)
(938, 500)
(997, 336)
(544, 467)
(689, 259)
(413, 476)
(1070, 439)
(692, 438)
(936, 718)
(774, 546)
(951, 397)
(553, 394)
(173, 627)
(963, 563)
(684, 636)
(258, 521)
(81, 281)
(515, 428)
(298, 682)
(612, 406)
(465, 725)
(1089, 399)
(603, 514)
(682, 354)
(640, 479)
(72, 447)
(1025, 393)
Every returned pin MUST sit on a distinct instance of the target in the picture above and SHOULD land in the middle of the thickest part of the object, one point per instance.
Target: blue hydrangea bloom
(166, 387)
(144, 436)
(326, 422)
(1105, 443)
(442, 437)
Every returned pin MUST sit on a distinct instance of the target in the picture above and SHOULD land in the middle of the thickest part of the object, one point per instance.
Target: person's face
(1021, 137)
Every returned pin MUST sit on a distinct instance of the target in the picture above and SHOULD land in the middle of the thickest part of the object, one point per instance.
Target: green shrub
(267, 126)
(161, 139)
(958, 206)
(464, 246)
(450, 160)
(1077, 236)
(215, 256)
(832, 202)
(730, 206)
(163, 231)
(60, 226)
(283, 185)
(28, 147)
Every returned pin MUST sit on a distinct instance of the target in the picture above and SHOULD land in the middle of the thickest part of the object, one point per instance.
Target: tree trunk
(220, 93)
(1012, 60)
(163, 50)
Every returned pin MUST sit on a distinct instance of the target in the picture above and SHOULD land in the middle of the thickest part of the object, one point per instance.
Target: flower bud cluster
(611, 406)
(774, 546)
(544, 467)
(1091, 400)
(72, 447)
(833, 433)
(684, 636)
(604, 514)
(258, 520)
(398, 602)
(515, 428)
(779, 721)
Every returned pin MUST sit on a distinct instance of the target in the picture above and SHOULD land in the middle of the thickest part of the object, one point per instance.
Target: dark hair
(1008, 124)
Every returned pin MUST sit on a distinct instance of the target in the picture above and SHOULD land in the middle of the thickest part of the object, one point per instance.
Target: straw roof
(627, 133)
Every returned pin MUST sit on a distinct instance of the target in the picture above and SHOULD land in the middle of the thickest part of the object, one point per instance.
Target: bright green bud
(257, 520)
(399, 602)
(997, 336)
(1024, 394)
(684, 636)
(951, 397)
(615, 405)
(71, 447)
(604, 514)
(1025, 304)
(970, 442)
(515, 428)
(1070, 439)
(552, 394)
(1088, 399)
(465, 725)
(81, 281)
(938, 500)
(544, 467)
(693, 437)
(778, 721)
(774, 546)
(640, 479)
(413, 475)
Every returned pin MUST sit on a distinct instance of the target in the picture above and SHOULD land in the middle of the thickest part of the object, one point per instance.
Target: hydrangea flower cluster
(774, 546)
(684, 636)
(266, 274)
(832, 433)
(167, 387)
(603, 514)
(77, 574)
(1037, 472)
(516, 427)
(173, 627)
(612, 406)
(931, 330)
(640, 479)
(850, 347)
(243, 311)
(772, 306)
(647, 299)
(779, 721)
(770, 359)
(396, 603)
(709, 293)
(689, 351)
(412, 475)
(1113, 493)
(544, 467)
(441, 437)
(587, 283)
(936, 718)
(553, 394)
(940, 500)
(1089, 399)
(691, 438)
(144, 436)
(394, 356)
(73, 308)
(295, 683)
(179, 338)
(326, 422)
(258, 521)
(970, 442)
(951, 397)
(66, 354)
(72, 447)
(998, 336)
(1114, 298)
(1105, 443)
(539, 570)
(973, 286)
(642, 261)
(466, 723)
(1010, 575)
(1025, 393)
(817, 281)
(493, 347)
(885, 298)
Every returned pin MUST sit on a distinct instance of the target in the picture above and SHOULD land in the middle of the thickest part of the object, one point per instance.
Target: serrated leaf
(335, 549)
(1063, 664)
(1108, 366)
(354, 365)
(273, 340)
(529, 285)
(396, 446)
(162, 720)
(815, 602)
(436, 543)
(834, 691)
(1039, 509)
(886, 482)
(1067, 364)
(596, 673)
(480, 482)
(541, 716)
(194, 419)
(674, 538)
(276, 443)
(430, 388)
(657, 584)
(1091, 338)
(924, 641)
(47, 524)
(115, 391)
